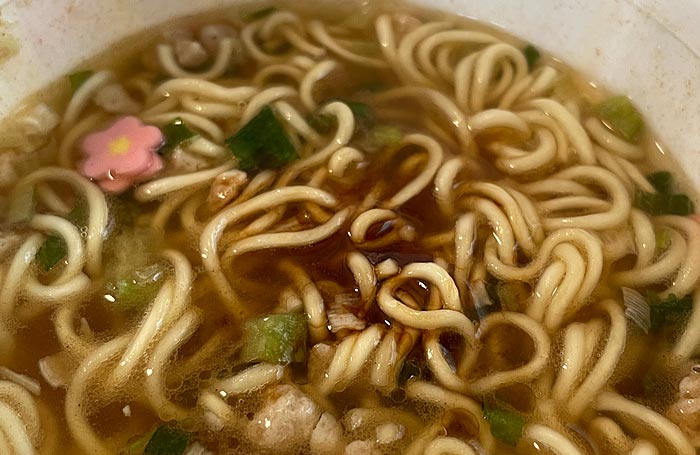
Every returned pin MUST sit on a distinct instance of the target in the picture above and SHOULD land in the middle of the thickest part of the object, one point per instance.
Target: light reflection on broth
(274, 233)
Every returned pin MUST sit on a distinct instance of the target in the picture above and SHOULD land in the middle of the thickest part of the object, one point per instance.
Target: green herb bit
(619, 113)
(662, 181)
(506, 426)
(532, 55)
(259, 14)
(385, 136)
(137, 290)
(262, 143)
(664, 204)
(669, 311)
(52, 250)
(78, 79)
(78, 216)
(277, 338)
(167, 441)
(176, 133)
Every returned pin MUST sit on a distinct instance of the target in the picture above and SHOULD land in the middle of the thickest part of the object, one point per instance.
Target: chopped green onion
(167, 441)
(277, 338)
(532, 55)
(664, 204)
(21, 205)
(79, 78)
(619, 113)
(175, 132)
(384, 136)
(262, 143)
(662, 181)
(52, 250)
(259, 14)
(136, 290)
(78, 216)
(669, 311)
(506, 426)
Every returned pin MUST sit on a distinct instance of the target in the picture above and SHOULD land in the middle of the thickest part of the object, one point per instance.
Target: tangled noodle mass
(389, 250)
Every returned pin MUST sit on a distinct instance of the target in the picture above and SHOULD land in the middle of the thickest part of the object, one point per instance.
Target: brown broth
(259, 281)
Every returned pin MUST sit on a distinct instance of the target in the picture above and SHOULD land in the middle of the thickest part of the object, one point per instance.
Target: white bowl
(647, 49)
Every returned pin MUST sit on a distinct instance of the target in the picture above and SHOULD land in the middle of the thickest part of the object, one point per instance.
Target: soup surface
(258, 231)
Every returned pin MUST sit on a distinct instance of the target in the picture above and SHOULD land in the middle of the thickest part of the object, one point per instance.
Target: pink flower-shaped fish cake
(123, 154)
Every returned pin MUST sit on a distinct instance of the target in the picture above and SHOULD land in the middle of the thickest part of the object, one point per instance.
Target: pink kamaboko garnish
(122, 155)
